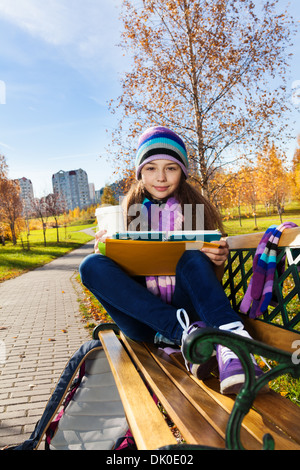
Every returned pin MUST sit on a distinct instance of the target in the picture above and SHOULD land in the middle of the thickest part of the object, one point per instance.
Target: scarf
(260, 290)
(163, 216)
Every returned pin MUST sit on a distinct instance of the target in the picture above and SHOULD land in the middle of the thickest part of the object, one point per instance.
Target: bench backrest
(285, 311)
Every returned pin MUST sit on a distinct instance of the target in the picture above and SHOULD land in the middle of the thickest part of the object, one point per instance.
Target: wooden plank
(253, 421)
(270, 334)
(212, 405)
(193, 427)
(215, 415)
(286, 417)
(290, 237)
(147, 425)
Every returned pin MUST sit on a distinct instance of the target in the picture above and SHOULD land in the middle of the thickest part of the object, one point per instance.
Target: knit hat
(160, 143)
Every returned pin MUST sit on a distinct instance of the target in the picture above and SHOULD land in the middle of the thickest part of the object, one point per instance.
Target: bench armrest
(199, 347)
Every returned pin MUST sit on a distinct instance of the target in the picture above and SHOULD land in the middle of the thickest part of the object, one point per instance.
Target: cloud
(86, 31)
(2, 144)
(46, 20)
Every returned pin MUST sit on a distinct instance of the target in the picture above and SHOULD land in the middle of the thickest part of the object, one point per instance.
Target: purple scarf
(166, 217)
(260, 290)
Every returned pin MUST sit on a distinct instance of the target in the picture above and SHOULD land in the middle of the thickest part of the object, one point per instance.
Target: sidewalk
(40, 329)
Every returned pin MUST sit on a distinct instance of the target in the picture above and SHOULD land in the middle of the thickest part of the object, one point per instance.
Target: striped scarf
(260, 290)
(163, 217)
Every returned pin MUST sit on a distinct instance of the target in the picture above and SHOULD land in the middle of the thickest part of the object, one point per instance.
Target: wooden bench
(204, 417)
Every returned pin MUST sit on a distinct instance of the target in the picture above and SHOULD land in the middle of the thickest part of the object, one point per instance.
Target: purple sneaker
(201, 371)
(231, 372)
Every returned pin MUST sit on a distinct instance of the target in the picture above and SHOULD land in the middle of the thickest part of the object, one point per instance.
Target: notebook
(148, 257)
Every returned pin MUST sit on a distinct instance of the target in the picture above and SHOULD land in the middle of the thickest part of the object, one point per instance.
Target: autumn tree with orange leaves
(11, 206)
(296, 172)
(272, 179)
(207, 70)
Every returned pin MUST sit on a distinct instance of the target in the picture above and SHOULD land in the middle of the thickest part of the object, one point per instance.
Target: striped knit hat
(160, 143)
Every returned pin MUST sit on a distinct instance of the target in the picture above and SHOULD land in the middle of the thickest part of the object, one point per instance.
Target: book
(148, 257)
(177, 235)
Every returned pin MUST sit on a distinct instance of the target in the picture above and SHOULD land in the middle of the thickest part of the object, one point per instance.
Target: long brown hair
(185, 194)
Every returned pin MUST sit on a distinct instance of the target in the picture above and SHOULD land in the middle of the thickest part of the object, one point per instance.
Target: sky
(60, 65)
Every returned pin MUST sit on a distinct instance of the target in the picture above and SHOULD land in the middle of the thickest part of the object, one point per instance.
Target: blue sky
(60, 65)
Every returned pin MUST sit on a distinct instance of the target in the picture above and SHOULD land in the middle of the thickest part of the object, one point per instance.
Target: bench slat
(145, 420)
(253, 421)
(206, 405)
(193, 427)
(290, 238)
(286, 417)
(271, 334)
(254, 424)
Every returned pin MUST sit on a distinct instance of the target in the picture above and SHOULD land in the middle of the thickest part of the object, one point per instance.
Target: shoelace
(227, 354)
(185, 325)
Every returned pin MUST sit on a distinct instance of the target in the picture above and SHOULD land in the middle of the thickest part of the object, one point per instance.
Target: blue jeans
(140, 314)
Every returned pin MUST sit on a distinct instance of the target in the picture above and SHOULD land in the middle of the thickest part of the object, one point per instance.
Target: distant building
(26, 193)
(73, 188)
(92, 192)
(98, 195)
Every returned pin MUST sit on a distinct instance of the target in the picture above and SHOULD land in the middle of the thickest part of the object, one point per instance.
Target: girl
(160, 309)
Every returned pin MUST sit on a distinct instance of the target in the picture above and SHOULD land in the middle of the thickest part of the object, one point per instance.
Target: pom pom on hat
(160, 143)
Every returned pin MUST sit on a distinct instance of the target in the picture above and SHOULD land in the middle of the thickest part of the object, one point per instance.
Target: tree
(3, 175)
(296, 171)
(3, 167)
(272, 178)
(206, 69)
(108, 197)
(54, 207)
(39, 209)
(11, 206)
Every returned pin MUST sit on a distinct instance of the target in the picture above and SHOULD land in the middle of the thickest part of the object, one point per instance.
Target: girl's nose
(161, 176)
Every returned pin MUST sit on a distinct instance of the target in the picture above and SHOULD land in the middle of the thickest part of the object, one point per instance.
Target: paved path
(40, 329)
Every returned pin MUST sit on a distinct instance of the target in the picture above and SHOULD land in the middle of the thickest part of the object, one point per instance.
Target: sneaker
(201, 371)
(231, 372)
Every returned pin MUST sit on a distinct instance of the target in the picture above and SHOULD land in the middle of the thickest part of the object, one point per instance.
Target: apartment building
(26, 193)
(73, 188)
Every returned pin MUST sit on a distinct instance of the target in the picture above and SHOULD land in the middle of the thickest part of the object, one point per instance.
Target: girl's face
(161, 178)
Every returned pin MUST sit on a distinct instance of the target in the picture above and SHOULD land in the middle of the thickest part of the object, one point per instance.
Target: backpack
(85, 411)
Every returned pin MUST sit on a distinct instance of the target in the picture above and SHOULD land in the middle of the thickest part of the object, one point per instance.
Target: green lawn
(14, 260)
(232, 226)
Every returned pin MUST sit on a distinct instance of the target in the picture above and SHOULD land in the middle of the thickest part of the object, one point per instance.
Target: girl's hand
(217, 255)
(100, 237)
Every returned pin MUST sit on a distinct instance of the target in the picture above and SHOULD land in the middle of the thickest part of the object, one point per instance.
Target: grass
(232, 225)
(14, 260)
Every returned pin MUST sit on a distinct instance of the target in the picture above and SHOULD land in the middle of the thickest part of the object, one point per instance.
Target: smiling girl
(166, 309)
